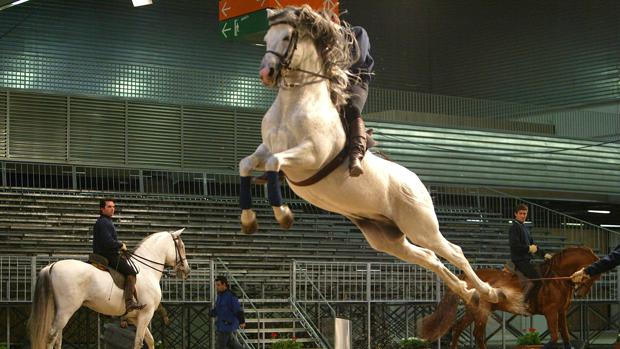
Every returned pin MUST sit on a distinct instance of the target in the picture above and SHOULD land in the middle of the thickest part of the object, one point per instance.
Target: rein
(142, 260)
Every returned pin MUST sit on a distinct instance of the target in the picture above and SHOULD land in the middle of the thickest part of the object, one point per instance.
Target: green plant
(287, 344)
(414, 343)
(3, 345)
(531, 337)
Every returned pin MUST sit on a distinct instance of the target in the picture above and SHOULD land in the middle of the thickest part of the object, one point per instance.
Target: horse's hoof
(474, 300)
(493, 296)
(284, 216)
(501, 296)
(250, 228)
(287, 221)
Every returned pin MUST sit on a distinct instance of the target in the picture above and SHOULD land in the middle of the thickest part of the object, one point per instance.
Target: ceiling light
(5, 4)
(573, 224)
(610, 225)
(137, 3)
(599, 211)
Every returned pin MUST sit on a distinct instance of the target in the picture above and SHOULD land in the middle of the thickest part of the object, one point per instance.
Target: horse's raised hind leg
(423, 230)
(246, 166)
(389, 239)
(60, 321)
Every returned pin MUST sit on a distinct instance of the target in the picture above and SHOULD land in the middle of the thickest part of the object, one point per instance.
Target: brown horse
(552, 299)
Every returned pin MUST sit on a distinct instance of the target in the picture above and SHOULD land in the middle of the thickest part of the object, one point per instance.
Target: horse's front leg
(148, 338)
(299, 156)
(142, 321)
(246, 166)
(552, 325)
(563, 325)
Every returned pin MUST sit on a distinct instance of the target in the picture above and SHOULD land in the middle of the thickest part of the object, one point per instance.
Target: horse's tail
(438, 323)
(43, 309)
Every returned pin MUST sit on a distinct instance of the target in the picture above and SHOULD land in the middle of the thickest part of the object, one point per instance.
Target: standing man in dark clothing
(105, 243)
(228, 316)
(604, 264)
(522, 249)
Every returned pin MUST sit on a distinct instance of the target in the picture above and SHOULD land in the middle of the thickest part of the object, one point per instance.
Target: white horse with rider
(307, 59)
(64, 286)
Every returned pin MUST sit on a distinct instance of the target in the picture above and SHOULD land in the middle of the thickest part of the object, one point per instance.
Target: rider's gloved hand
(548, 255)
(533, 248)
(123, 247)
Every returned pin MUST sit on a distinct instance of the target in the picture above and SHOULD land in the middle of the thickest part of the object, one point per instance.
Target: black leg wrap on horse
(273, 188)
(245, 195)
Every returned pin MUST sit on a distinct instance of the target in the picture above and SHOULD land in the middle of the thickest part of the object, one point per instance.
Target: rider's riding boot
(357, 146)
(130, 287)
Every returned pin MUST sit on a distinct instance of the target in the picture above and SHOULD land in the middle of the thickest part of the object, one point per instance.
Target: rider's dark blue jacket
(606, 263)
(227, 312)
(105, 241)
(520, 241)
(363, 66)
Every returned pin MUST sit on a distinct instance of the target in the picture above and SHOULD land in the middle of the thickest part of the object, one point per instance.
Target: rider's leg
(531, 287)
(120, 263)
(357, 129)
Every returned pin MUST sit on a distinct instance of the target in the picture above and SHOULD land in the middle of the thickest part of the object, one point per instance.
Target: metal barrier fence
(18, 276)
(397, 282)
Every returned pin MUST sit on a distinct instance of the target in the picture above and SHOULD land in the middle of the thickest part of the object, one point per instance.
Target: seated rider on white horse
(359, 79)
(106, 244)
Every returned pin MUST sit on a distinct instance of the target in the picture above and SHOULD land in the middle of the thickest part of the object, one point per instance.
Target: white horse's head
(176, 256)
(302, 41)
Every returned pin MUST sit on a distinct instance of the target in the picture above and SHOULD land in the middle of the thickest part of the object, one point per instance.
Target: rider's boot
(530, 291)
(357, 146)
(130, 288)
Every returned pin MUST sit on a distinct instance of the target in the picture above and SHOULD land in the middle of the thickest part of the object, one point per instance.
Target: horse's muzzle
(266, 76)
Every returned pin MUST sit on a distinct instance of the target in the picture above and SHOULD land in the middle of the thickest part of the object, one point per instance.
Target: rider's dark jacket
(364, 65)
(105, 241)
(520, 241)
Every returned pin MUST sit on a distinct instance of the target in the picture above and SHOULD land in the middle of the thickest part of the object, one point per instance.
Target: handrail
(309, 325)
(321, 296)
(246, 298)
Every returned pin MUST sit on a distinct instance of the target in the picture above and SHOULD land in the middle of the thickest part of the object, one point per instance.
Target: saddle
(101, 263)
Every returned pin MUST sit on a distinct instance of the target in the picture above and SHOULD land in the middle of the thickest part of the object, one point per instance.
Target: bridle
(178, 258)
(284, 60)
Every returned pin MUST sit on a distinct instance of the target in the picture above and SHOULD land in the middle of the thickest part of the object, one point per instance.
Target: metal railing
(18, 276)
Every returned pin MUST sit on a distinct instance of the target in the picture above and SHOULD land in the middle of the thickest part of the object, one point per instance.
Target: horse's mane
(333, 42)
(557, 258)
(146, 238)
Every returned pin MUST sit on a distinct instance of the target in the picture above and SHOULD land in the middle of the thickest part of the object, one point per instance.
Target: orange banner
(234, 8)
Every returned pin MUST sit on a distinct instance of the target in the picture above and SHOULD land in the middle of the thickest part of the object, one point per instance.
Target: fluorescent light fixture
(137, 3)
(599, 211)
(4, 4)
(610, 225)
(573, 224)
(474, 220)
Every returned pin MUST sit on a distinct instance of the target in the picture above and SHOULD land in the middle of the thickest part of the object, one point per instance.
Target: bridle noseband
(284, 59)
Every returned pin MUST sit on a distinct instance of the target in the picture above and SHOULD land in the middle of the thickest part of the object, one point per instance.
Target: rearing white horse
(302, 133)
(63, 287)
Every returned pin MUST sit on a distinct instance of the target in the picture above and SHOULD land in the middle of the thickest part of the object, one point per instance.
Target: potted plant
(414, 343)
(529, 340)
(286, 343)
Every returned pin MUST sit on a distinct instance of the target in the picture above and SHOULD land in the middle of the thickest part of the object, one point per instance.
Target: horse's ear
(178, 232)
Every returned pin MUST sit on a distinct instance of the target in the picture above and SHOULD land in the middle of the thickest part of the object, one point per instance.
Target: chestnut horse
(552, 300)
